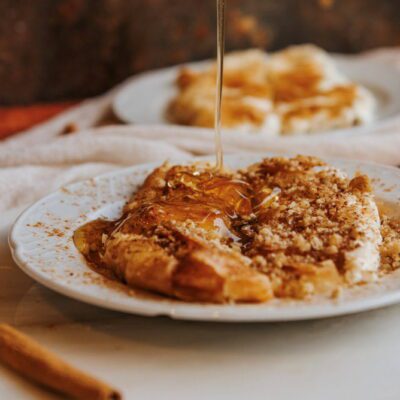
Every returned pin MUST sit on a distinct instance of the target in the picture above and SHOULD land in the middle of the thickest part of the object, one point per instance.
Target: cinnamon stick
(40, 365)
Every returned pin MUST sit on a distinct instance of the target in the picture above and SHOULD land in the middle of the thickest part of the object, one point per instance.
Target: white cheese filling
(362, 263)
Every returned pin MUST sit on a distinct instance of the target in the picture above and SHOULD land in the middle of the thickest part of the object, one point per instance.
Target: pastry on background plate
(296, 90)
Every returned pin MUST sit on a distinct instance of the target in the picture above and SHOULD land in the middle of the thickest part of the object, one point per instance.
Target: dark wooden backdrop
(66, 49)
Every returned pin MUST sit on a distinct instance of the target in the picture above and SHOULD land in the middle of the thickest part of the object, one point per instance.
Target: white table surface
(353, 357)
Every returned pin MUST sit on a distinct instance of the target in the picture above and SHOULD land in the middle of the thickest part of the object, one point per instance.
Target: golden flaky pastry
(168, 239)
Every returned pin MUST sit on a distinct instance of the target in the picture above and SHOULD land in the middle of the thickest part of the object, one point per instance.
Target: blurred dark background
(52, 50)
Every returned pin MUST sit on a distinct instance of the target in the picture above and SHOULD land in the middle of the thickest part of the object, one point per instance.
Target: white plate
(41, 242)
(144, 99)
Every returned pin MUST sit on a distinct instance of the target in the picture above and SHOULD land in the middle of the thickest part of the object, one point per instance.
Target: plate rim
(198, 311)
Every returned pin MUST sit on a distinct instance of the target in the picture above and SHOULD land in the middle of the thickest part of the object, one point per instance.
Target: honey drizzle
(220, 72)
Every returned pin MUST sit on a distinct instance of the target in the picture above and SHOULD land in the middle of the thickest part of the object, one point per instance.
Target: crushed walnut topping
(390, 247)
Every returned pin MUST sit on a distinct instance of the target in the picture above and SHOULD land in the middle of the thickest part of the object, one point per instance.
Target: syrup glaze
(220, 72)
(213, 201)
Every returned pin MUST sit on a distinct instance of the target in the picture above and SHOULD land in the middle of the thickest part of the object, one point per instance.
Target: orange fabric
(16, 119)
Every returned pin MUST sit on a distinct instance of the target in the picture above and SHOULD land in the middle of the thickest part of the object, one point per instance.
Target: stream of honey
(214, 201)
(220, 73)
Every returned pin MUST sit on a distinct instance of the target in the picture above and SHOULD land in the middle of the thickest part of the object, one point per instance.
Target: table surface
(353, 357)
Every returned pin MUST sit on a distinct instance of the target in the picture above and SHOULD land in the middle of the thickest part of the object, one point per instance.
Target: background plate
(144, 99)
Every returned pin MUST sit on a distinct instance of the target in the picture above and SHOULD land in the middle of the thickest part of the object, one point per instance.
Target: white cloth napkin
(39, 160)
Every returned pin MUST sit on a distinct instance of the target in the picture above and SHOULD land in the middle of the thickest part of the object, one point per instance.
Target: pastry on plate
(281, 228)
(293, 91)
